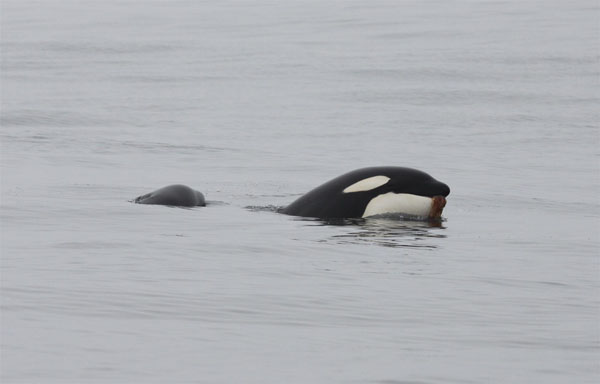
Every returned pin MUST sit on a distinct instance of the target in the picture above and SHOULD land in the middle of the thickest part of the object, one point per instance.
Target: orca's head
(398, 190)
(374, 191)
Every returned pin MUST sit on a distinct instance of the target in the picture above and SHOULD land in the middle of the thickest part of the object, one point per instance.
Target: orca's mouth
(437, 206)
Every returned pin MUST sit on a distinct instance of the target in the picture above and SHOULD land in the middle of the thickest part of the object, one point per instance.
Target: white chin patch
(367, 184)
(402, 203)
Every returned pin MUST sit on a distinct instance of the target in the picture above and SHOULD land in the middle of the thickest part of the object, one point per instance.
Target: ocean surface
(254, 103)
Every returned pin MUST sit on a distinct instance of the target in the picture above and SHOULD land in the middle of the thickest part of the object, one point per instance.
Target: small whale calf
(175, 195)
(361, 193)
(374, 191)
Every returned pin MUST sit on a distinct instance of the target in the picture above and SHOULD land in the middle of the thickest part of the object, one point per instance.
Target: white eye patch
(367, 184)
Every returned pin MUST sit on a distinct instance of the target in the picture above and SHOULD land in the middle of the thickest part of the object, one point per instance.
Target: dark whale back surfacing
(175, 195)
(330, 201)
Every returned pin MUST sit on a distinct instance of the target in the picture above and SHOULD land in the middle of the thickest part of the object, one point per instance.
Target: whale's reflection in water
(393, 230)
(388, 231)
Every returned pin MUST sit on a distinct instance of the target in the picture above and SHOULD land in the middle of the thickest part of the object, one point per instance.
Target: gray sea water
(255, 103)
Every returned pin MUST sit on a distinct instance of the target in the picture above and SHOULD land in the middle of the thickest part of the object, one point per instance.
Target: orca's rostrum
(374, 191)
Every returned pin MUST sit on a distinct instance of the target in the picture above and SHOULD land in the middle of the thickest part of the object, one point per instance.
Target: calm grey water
(254, 103)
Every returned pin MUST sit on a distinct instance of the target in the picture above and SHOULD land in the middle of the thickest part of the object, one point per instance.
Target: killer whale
(374, 191)
(177, 195)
